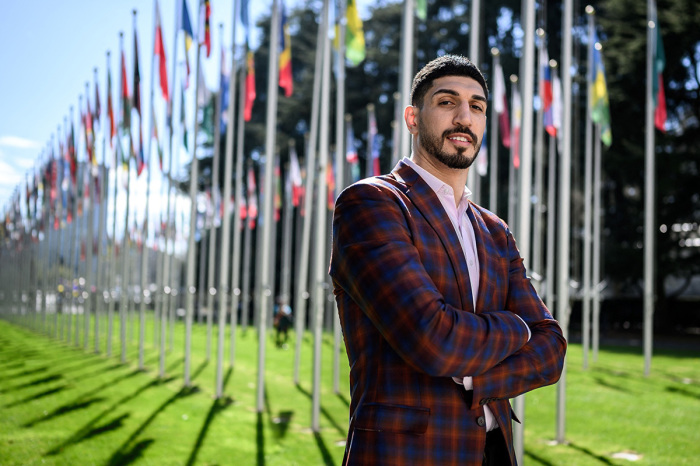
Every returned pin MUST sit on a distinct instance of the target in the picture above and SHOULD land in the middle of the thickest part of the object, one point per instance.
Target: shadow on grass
(78, 403)
(605, 383)
(683, 391)
(588, 452)
(65, 409)
(216, 407)
(24, 373)
(129, 451)
(37, 396)
(33, 383)
(88, 428)
(334, 423)
(539, 459)
(342, 398)
(260, 441)
(327, 458)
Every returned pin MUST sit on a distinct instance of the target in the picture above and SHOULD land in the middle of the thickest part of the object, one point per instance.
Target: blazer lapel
(427, 202)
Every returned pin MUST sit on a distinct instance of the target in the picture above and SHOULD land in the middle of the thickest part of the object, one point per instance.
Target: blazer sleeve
(376, 262)
(537, 363)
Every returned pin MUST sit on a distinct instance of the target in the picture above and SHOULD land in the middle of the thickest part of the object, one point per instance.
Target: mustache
(463, 130)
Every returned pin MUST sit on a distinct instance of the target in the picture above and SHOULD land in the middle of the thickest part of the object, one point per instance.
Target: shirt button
(481, 421)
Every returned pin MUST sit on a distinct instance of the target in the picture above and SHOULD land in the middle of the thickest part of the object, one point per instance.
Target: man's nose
(463, 115)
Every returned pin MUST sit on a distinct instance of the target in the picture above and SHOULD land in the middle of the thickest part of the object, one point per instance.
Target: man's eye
(445, 102)
(478, 108)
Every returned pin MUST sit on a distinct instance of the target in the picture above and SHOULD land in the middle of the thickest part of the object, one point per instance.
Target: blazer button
(481, 421)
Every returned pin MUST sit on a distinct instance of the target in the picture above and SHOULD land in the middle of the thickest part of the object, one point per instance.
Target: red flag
(110, 110)
(159, 49)
(658, 88)
(204, 28)
(249, 87)
(500, 105)
(285, 60)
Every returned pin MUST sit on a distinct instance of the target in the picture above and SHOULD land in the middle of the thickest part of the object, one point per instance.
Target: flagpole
(169, 244)
(406, 70)
(190, 283)
(112, 255)
(493, 149)
(649, 192)
(302, 293)
(339, 171)
(145, 292)
(212, 293)
(474, 181)
(124, 296)
(266, 273)
(90, 218)
(587, 200)
(100, 279)
(224, 286)
(241, 291)
(525, 192)
(564, 210)
(320, 268)
(512, 173)
(537, 232)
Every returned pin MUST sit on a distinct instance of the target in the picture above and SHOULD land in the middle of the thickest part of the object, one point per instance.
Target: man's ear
(410, 115)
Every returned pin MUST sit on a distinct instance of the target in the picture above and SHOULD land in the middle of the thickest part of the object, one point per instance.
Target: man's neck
(456, 178)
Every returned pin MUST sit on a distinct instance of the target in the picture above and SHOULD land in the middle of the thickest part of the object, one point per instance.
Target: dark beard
(433, 145)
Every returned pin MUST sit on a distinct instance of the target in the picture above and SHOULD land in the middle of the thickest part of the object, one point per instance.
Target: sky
(50, 50)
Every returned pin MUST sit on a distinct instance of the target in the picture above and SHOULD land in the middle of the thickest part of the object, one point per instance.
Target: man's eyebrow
(456, 94)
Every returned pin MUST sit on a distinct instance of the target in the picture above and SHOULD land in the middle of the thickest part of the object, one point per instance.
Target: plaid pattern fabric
(405, 305)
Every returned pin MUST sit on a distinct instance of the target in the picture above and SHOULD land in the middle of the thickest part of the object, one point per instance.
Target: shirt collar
(439, 186)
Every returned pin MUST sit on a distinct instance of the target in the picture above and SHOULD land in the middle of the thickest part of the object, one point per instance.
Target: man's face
(451, 121)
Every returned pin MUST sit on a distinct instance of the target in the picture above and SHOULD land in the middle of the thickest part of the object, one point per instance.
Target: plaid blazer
(405, 303)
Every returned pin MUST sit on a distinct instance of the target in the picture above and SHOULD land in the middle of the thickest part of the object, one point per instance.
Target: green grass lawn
(63, 405)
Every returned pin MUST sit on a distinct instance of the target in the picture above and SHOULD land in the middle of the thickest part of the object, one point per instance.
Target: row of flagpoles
(74, 271)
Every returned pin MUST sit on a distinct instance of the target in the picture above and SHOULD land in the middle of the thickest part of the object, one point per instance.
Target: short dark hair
(447, 65)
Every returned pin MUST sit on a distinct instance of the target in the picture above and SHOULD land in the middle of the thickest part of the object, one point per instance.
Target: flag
(159, 50)
(351, 151)
(138, 151)
(252, 210)
(277, 200)
(556, 102)
(155, 136)
(224, 89)
(72, 155)
(515, 135)
(482, 161)
(355, 35)
(500, 105)
(658, 82)
(183, 124)
(110, 110)
(204, 27)
(89, 134)
(249, 87)
(546, 95)
(295, 176)
(330, 181)
(422, 9)
(98, 106)
(372, 143)
(126, 100)
(598, 92)
(285, 50)
(244, 14)
(186, 26)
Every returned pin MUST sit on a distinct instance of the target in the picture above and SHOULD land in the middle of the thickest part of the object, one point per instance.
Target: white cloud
(19, 143)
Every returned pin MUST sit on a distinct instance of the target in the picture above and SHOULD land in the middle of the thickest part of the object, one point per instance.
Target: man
(440, 321)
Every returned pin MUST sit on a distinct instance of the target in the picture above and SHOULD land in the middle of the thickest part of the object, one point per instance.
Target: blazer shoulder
(371, 187)
(492, 220)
